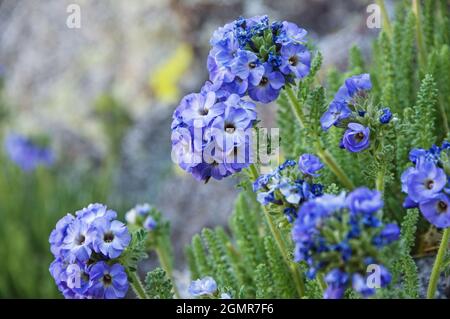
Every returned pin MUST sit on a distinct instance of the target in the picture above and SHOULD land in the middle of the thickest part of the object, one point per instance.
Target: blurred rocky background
(109, 88)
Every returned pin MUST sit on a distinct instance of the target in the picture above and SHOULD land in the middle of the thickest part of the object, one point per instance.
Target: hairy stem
(420, 43)
(438, 264)
(165, 264)
(379, 182)
(137, 286)
(293, 268)
(324, 155)
(329, 160)
(321, 281)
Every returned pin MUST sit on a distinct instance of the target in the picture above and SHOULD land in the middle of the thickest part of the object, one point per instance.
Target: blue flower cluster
(255, 57)
(427, 183)
(27, 154)
(290, 186)
(340, 236)
(211, 136)
(140, 216)
(211, 130)
(86, 247)
(347, 110)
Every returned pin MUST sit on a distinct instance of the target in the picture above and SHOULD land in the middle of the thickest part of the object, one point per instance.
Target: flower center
(80, 239)
(107, 279)
(293, 60)
(252, 65)
(230, 128)
(108, 237)
(204, 111)
(264, 81)
(442, 207)
(429, 184)
(359, 137)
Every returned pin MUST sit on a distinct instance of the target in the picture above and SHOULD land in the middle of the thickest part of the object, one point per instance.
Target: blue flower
(248, 66)
(417, 153)
(427, 184)
(94, 211)
(385, 116)
(274, 60)
(296, 59)
(139, 211)
(335, 113)
(336, 281)
(345, 99)
(26, 154)
(437, 210)
(356, 138)
(269, 87)
(204, 286)
(291, 33)
(390, 233)
(265, 198)
(332, 202)
(424, 181)
(354, 86)
(77, 242)
(108, 282)
(309, 164)
(290, 213)
(150, 223)
(360, 285)
(291, 192)
(364, 200)
(109, 238)
(199, 110)
(59, 233)
(232, 129)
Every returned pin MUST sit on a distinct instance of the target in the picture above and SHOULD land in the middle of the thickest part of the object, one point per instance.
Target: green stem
(444, 116)
(438, 264)
(296, 274)
(321, 281)
(137, 286)
(379, 182)
(295, 105)
(166, 265)
(324, 155)
(420, 44)
(328, 159)
(386, 22)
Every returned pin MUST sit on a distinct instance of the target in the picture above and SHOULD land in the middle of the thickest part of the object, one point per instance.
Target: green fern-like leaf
(425, 114)
(158, 285)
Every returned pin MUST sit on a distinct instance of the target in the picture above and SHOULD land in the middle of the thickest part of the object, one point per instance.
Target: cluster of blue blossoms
(26, 154)
(140, 216)
(211, 130)
(340, 236)
(348, 109)
(427, 183)
(212, 137)
(86, 249)
(255, 57)
(290, 185)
